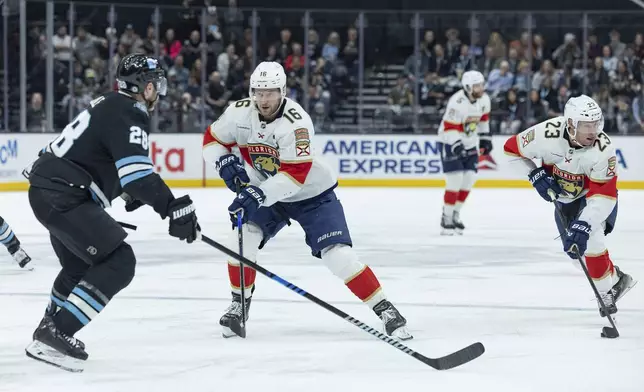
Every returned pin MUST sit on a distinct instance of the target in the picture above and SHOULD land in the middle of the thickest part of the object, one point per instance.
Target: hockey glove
(459, 150)
(230, 170)
(577, 234)
(131, 203)
(544, 184)
(246, 203)
(485, 145)
(183, 220)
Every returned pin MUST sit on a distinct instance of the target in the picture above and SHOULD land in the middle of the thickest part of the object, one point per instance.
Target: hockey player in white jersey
(265, 143)
(579, 173)
(464, 130)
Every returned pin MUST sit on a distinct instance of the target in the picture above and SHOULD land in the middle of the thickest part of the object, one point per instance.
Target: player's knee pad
(596, 242)
(469, 177)
(342, 260)
(453, 180)
(253, 236)
(122, 263)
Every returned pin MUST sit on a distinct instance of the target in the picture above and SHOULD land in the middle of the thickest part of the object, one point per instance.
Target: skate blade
(43, 353)
(627, 289)
(229, 331)
(458, 232)
(447, 232)
(402, 333)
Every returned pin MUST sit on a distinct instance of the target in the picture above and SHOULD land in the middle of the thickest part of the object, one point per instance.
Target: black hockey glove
(485, 145)
(459, 150)
(544, 184)
(131, 203)
(232, 170)
(183, 220)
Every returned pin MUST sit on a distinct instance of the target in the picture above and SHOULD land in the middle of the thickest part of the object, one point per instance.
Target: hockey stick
(452, 360)
(609, 334)
(242, 282)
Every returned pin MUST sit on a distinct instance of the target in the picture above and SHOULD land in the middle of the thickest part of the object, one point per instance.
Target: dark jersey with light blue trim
(110, 141)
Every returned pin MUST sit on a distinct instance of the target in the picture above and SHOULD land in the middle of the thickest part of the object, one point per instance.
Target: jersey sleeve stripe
(133, 159)
(135, 176)
(606, 189)
(209, 138)
(511, 147)
(449, 126)
(297, 171)
(133, 168)
(485, 117)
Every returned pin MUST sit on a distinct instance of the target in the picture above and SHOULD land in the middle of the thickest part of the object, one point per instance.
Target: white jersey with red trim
(589, 172)
(465, 120)
(278, 155)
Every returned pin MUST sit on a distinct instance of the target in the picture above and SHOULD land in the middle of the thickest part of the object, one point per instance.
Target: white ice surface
(505, 283)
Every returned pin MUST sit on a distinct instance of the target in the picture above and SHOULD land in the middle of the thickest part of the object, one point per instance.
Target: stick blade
(455, 359)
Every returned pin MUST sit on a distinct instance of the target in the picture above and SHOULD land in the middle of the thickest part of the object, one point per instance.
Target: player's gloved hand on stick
(183, 220)
(577, 233)
(246, 203)
(459, 150)
(544, 184)
(131, 203)
(232, 170)
(485, 145)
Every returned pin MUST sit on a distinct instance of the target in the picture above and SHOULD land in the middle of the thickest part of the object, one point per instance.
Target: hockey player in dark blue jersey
(101, 155)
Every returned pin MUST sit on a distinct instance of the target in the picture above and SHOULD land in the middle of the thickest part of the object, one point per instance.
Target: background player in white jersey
(283, 179)
(11, 242)
(579, 170)
(464, 129)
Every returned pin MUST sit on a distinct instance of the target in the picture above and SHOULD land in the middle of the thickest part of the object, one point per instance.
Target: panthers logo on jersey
(470, 124)
(265, 159)
(571, 184)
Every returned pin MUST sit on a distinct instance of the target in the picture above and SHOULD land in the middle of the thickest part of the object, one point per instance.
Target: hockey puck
(609, 333)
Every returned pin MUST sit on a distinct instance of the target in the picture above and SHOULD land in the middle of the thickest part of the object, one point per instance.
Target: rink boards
(360, 160)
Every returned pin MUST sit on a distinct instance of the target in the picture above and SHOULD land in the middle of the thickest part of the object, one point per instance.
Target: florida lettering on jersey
(580, 172)
(465, 120)
(277, 155)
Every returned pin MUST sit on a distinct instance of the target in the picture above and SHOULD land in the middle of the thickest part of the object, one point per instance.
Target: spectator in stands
(638, 46)
(150, 44)
(180, 72)
(417, 60)
(498, 47)
(271, 54)
(85, 46)
(513, 60)
(522, 82)
(284, 44)
(315, 48)
(597, 77)
(431, 91)
(568, 78)
(593, 48)
(331, 48)
(556, 106)
(440, 63)
(464, 62)
(427, 44)
(512, 120)
(187, 117)
(567, 52)
(194, 89)
(487, 63)
(236, 75)
(248, 59)
(400, 100)
(610, 61)
(617, 47)
(638, 113)
(296, 52)
(132, 42)
(172, 44)
(225, 61)
(538, 51)
(36, 117)
(452, 45)
(62, 44)
(350, 51)
(234, 19)
(535, 110)
(195, 72)
(500, 80)
(191, 50)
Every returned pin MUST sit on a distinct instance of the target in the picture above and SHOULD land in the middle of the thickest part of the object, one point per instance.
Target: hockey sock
(7, 237)
(82, 305)
(601, 270)
(249, 279)
(453, 182)
(466, 185)
(366, 286)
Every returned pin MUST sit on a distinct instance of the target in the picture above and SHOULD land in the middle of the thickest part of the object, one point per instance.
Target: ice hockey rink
(506, 283)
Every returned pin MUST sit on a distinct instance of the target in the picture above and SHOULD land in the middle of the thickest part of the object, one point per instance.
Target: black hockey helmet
(136, 70)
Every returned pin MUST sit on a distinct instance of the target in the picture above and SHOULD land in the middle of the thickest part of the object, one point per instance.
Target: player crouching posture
(285, 180)
(10, 240)
(579, 174)
(99, 156)
(466, 118)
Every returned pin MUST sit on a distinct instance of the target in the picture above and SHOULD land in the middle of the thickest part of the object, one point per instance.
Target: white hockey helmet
(268, 75)
(471, 78)
(586, 118)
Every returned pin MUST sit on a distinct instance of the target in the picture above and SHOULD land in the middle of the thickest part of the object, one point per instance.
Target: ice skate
(394, 324)
(459, 227)
(624, 283)
(56, 348)
(231, 320)
(447, 225)
(20, 256)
